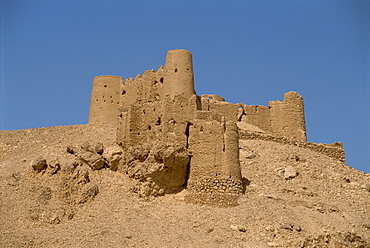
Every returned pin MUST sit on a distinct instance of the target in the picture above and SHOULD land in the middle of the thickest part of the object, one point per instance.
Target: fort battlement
(177, 138)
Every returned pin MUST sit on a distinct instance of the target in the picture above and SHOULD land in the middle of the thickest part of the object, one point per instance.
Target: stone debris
(339, 239)
(39, 164)
(113, 156)
(289, 173)
(168, 140)
(250, 155)
(89, 194)
(238, 228)
(96, 156)
(81, 175)
(158, 168)
(53, 166)
(70, 149)
(286, 226)
(71, 166)
(99, 148)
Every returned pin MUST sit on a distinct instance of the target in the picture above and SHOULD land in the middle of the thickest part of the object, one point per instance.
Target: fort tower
(105, 99)
(179, 77)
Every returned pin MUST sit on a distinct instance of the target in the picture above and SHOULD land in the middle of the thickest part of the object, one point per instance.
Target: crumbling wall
(172, 115)
(144, 88)
(213, 105)
(172, 137)
(287, 117)
(335, 150)
(256, 115)
(105, 99)
(214, 149)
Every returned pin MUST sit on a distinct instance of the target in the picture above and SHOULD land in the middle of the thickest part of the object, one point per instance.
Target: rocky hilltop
(294, 197)
(159, 166)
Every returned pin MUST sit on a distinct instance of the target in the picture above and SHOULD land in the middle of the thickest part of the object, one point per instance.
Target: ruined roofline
(111, 93)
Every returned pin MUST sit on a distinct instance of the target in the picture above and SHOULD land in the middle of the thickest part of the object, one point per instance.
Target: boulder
(289, 173)
(94, 160)
(39, 164)
(160, 168)
(113, 155)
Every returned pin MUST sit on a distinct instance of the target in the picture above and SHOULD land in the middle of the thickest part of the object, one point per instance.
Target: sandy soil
(294, 197)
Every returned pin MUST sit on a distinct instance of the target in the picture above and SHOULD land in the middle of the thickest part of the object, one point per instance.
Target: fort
(174, 138)
(228, 175)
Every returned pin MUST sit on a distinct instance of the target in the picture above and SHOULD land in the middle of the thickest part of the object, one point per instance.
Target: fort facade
(161, 109)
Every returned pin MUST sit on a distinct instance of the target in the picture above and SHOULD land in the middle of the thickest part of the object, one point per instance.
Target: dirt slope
(294, 197)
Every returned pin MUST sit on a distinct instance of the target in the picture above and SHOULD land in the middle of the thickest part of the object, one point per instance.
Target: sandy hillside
(294, 197)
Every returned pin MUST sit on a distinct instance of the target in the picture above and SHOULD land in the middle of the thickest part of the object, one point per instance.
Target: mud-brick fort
(173, 138)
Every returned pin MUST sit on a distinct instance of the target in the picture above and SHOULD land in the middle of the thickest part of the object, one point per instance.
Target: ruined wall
(214, 149)
(256, 115)
(161, 109)
(144, 88)
(105, 99)
(164, 126)
(287, 117)
(335, 150)
(214, 104)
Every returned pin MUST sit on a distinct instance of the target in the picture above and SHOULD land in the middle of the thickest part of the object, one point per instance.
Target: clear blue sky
(245, 51)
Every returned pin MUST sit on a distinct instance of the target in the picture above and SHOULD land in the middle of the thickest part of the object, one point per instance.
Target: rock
(53, 219)
(209, 230)
(289, 173)
(354, 185)
(250, 156)
(88, 147)
(238, 228)
(297, 228)
(99, 148)
(16, 176)
(70, 149)
(39, 164)
(89, 194)
(366, 226)
(94, 160)
(71, 166)
(196, 225)
(294, 157)
(270, 228)
(113, 155)
(286, 226)
(164, 169)
(81, 175)
(53, 166)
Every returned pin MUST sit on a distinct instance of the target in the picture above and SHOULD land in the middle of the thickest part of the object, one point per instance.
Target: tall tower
(105, 99)
(179, 77)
